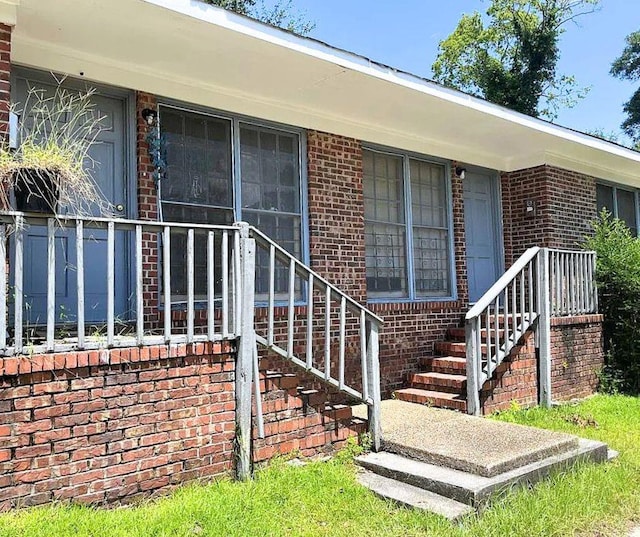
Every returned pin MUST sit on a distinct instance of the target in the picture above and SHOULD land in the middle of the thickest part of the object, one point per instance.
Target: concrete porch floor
(454, 440)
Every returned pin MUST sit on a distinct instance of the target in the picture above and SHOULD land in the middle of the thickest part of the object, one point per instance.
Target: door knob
(120, 208)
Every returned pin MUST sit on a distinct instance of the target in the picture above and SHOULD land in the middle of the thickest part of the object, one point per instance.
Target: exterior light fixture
(461, 172)
(149, 116)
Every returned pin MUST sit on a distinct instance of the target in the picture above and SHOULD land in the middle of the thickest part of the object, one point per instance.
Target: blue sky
(405, 34)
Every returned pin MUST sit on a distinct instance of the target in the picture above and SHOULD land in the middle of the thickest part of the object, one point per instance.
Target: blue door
(481, 231)
(109, 173)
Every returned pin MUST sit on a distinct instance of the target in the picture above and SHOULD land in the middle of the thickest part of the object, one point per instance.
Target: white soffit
(186, 50)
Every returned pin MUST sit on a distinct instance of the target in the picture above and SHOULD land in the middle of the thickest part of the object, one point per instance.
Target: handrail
(265, 240)
(345, 331)
(319, 340)
(502, 283)
(541, 284)
(148, 242)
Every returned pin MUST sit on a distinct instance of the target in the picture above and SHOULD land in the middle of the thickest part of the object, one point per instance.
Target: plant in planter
(51, 166)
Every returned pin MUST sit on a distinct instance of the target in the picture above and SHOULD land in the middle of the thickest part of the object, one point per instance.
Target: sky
(405, 34)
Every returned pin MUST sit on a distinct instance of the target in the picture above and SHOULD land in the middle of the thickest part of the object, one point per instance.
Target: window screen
(385, 229)
(430, 228)
(197, 188)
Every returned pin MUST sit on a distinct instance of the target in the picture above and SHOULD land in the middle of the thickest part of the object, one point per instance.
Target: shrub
(618, 279)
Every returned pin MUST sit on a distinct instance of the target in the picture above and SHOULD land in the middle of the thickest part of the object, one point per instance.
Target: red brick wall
(300, 419)
(516, 380)
(5, 80)
(336, 211)
(565, 204)
(147, 210)
(105, 426)
(577, 356)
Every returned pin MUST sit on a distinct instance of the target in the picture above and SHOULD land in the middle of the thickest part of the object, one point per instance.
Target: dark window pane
(626, 201)
(604, 195)
(270, 174)
(198, 152)
(385, 232)
(198, 189)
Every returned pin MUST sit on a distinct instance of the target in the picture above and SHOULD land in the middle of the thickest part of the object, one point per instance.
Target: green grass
(323, 499)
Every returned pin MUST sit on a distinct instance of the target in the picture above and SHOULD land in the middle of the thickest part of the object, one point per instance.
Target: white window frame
(412, 296)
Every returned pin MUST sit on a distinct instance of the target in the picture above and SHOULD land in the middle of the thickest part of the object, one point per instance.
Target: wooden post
(544, 328)
(373, 370)
(473, 388)
(246, 349)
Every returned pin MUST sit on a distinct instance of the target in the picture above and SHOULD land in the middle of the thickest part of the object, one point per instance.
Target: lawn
(323, 499)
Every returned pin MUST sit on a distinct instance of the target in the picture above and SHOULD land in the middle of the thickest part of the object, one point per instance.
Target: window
(621, 202)
(202, 185)
(407, 227)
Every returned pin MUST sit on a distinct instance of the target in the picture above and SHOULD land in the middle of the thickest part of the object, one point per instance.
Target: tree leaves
(281, 13)
(509, 57)
(627, 66)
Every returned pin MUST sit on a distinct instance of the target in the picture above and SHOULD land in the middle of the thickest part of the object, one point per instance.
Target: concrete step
(472, 489)
(413, 497)
(436, 381)
(445, 364)
(453, 401)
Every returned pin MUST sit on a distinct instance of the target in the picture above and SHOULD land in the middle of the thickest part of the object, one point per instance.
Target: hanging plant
(52, 166)
(158, 153)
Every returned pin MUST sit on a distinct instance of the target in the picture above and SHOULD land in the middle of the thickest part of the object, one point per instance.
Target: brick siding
(105, 426)
(336, 211)
(515, 381)
(565, 204)
(5, 78)
(147, 210)
(577, 356)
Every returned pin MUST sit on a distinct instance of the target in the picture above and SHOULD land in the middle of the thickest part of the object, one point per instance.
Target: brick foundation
(106, 426)
(516, 380)
(578, 356)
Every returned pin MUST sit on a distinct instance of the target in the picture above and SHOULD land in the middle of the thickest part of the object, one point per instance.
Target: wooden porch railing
(78, 232)
(541, 284)
(336, 339)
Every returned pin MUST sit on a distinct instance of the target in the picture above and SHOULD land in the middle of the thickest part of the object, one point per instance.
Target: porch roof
(187, 50)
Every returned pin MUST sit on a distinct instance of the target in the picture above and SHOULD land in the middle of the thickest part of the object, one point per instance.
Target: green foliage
(280, 13)
(618, 278)
(627, 67)
(510, 56)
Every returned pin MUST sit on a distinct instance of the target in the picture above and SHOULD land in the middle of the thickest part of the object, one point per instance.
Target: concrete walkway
(470, 444)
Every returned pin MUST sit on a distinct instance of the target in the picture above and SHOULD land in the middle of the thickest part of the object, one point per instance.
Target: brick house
(410, 198)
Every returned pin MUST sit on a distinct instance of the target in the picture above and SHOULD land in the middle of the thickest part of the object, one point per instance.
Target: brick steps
(455, 348)
(445, 364)
(443, 381)
(436, 381)
(458, 334)
(453, 401)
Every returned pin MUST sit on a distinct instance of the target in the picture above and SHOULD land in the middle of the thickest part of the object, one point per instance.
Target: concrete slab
(473, 489)
(413, 497)
(454, 440)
